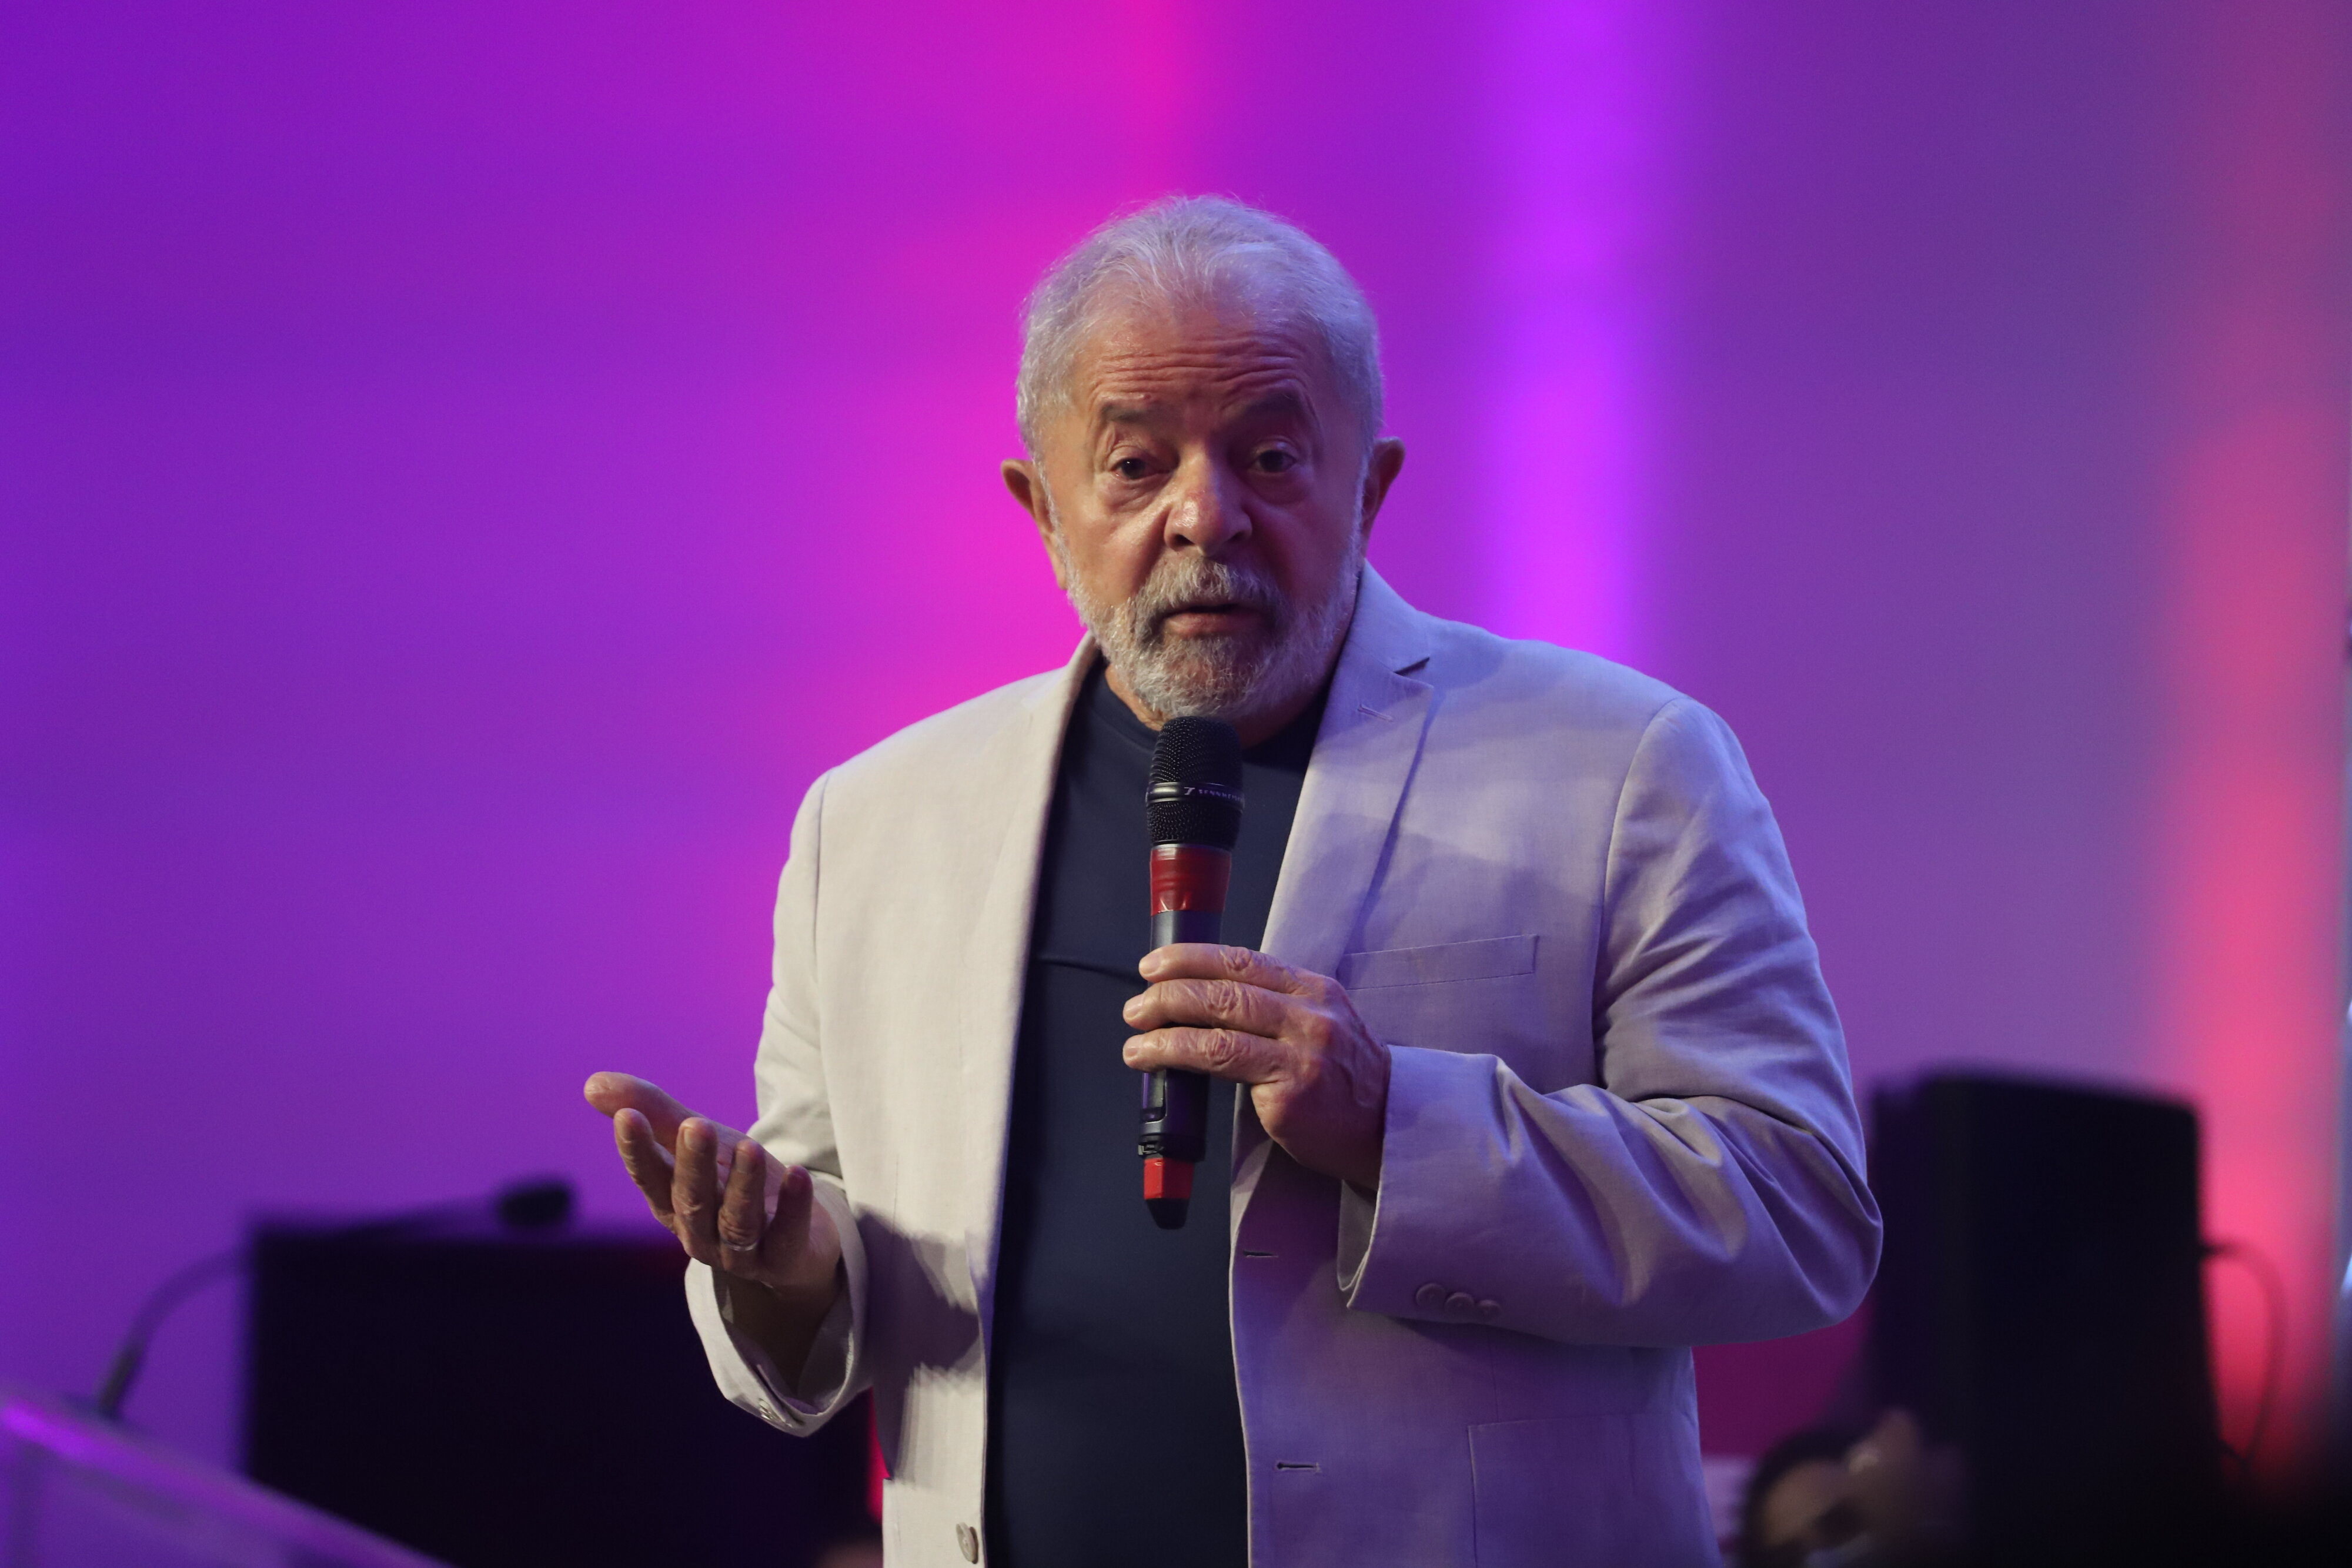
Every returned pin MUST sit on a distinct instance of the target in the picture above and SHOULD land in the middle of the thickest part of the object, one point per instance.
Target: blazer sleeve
(1709, 1188)
(795, 1126)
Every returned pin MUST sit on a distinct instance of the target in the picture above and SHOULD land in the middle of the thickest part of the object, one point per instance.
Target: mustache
(1196, 583)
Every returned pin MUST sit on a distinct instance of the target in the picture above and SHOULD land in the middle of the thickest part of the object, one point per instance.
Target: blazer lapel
(1364, 757)
(997, 959)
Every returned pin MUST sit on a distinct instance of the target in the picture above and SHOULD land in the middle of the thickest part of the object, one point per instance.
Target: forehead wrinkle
(1112, 353)
(1239, 350)
(1242, 368)
(1236, 408)
(1126, 396)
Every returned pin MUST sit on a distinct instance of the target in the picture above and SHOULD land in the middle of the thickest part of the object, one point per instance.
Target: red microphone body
(1195, 809)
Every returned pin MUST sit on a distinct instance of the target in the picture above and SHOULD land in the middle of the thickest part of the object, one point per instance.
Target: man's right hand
(733, 1207)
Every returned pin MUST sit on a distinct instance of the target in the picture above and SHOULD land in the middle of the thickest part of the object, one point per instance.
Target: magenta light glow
(1578, 122)
(2251, 874)
(466, 464)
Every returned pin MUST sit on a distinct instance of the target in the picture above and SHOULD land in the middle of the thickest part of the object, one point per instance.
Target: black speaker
(2040, 1305)
(500, 1402)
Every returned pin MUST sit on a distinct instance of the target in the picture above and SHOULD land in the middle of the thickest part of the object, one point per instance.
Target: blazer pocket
(1489, 958)
(1615, 1491)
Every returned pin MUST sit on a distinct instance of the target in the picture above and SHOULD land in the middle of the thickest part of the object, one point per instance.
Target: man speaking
(1525, 1079)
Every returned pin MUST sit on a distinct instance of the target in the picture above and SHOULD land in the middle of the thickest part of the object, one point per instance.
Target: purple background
(467, 467)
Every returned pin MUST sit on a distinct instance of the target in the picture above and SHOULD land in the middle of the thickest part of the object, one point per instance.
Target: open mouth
(1207, 617)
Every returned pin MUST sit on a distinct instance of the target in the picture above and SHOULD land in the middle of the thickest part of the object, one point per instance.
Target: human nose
(1205, 511)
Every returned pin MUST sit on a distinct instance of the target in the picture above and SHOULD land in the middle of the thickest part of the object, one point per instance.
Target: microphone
(1194, 810)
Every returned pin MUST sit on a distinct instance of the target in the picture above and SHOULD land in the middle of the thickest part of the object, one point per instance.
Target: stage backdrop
(467, 467)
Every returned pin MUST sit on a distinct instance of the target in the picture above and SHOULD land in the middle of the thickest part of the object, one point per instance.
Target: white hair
(1186, 248)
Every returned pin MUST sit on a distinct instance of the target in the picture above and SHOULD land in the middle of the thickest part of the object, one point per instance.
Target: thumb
(613, 1092)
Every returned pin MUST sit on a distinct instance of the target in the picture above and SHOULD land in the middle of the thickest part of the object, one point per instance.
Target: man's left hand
(1317, 1078)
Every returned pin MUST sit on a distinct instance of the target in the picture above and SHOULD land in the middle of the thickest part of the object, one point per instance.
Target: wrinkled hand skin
(1317, 1078)
(730, 1207)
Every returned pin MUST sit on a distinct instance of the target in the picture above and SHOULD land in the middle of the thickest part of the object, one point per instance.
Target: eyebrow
(1281, 400)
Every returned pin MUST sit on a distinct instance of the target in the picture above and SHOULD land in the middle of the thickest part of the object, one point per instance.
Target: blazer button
(1430, 1297)
(1461, 1302)
(1490, 1311)
(968, 1542)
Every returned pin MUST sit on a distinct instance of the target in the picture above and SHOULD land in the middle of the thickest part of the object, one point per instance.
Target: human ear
(1027, 481)
(1380, 473)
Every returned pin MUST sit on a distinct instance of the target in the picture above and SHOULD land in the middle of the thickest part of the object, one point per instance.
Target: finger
(1219, 1052)
(1214, 1004)
(743, 1211)
(648, 1163)
(613, 1092)
(694, 1190)
(785, 1245)
(1214, 961)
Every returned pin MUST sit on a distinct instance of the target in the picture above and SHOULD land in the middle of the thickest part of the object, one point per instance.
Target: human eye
(1130, 468)
(1273, 460)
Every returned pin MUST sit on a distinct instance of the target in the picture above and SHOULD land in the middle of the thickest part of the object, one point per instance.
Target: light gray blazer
(1619, 1119)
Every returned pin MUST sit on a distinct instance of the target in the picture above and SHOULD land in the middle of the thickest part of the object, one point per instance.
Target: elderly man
(1528, 1078)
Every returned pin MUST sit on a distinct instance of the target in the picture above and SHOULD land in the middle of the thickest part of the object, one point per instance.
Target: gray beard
(1231, 678)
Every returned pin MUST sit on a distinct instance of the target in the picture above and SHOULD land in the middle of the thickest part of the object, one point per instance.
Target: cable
(2274, 1289)
(543, 1203)
(161, 1304)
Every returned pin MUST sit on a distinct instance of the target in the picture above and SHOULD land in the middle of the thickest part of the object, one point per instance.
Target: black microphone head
(1196, 784)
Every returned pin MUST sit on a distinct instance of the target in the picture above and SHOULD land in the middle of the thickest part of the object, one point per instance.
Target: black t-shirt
(1114, 1426)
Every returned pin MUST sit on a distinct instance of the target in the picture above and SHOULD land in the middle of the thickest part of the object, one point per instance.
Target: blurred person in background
(1827, 1498)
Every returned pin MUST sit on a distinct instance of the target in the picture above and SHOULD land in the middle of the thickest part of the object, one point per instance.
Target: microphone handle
(1175, 1131)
